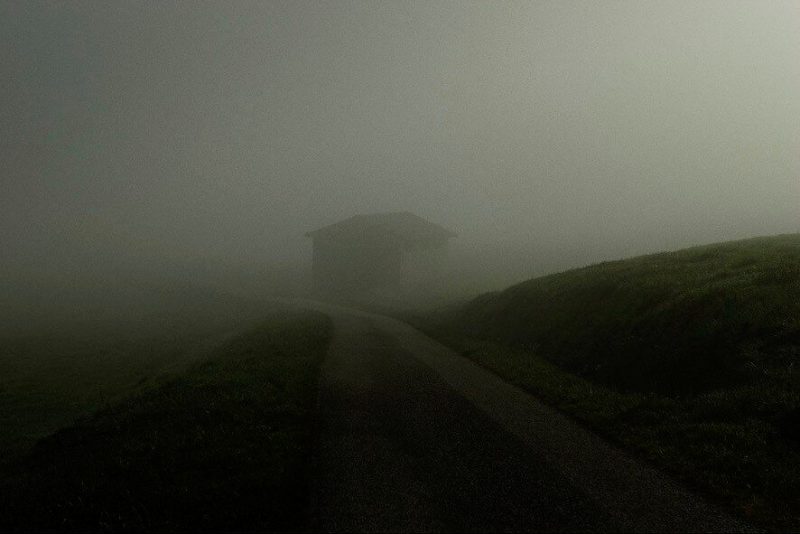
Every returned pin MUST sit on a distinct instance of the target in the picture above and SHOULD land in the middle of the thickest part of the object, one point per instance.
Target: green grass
(47, 381)
(689, 358)
(222, 446)
(68, 366)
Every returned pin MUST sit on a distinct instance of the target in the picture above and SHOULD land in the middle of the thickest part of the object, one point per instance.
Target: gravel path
(417, 438)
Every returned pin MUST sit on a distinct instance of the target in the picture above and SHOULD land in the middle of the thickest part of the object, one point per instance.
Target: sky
(226, 130)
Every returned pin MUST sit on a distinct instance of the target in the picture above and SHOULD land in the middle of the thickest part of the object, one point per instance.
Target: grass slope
(60, 368)
(689, 357)
(221, 447)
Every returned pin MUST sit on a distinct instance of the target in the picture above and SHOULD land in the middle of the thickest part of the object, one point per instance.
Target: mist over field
(203, 141)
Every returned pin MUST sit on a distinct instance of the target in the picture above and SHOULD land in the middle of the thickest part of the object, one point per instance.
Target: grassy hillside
(221, 446)
(689, 357)
(686, 321)
(68, 366)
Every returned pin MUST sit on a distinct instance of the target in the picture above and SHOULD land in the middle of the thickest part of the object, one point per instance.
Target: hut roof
(404, 225)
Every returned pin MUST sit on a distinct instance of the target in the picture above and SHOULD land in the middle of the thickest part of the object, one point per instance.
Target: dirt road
(417, 438)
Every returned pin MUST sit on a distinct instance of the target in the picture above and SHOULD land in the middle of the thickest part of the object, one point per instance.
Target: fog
(199, 142)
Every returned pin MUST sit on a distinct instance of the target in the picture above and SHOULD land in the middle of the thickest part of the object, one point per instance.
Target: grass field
(68, 365)
(221, 445)
(687, 357)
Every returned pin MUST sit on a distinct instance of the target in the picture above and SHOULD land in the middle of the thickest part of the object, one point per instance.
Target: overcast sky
(228, 129)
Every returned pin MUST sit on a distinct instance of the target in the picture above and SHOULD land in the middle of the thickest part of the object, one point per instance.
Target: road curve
(414, 437)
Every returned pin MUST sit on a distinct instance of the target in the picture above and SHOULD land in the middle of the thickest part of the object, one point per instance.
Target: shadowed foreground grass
(689, 358)
(222, 447)
(69, 364)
